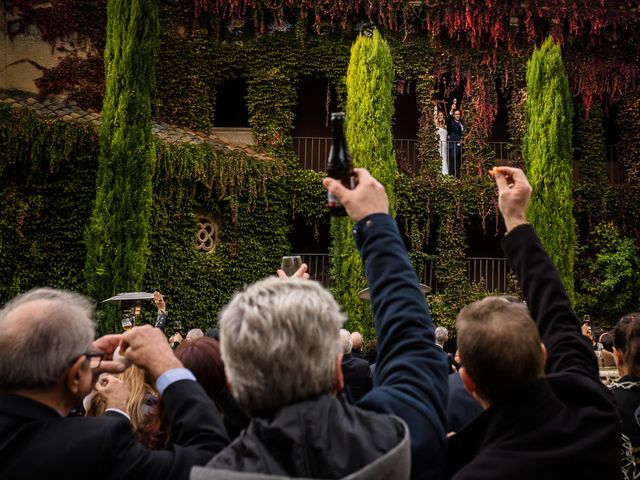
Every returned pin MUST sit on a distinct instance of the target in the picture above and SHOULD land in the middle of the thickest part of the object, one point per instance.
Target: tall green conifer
(118, 232)
(369, 114)
(548, 155)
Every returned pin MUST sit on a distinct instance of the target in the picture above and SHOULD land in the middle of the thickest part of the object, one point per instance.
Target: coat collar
(20, 406)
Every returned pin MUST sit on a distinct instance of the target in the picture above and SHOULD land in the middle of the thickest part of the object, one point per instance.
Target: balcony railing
(313, 152)
(491, 273)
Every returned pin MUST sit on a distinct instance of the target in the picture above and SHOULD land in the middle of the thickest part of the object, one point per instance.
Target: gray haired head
(280, 342)
(442, 334)
(346, 341)
(41, 333)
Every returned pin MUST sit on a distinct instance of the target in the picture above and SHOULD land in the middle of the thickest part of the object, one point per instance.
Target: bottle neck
(338, 131)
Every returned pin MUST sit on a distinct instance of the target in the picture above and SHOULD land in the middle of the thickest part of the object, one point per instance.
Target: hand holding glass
(290, 265)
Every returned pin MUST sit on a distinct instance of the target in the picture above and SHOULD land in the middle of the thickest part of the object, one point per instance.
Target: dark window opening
(231, 104)
(484, 242)
(500, 127)
(407, 115)
(305, 239)
(316, 100)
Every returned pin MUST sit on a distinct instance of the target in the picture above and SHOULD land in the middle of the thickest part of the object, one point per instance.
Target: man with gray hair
(442, 336)
(49, 362)
(280, 341)
(358, 379)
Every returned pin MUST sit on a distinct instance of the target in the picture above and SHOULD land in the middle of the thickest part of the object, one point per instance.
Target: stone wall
(23, 57)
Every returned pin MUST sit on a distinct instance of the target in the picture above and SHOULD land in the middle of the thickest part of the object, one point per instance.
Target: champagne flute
(291, 265)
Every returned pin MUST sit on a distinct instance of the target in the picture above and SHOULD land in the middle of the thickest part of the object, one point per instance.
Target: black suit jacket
(357, 376)
(562, 426)
(454, 129)
(36, 442)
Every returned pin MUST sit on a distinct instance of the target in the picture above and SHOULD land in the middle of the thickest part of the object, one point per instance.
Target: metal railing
(615, 169)
(312, 153)
(492, 273)
(318, 264)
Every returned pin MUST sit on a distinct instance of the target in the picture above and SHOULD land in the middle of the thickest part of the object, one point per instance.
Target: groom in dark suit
(455, 131)
(49, 362)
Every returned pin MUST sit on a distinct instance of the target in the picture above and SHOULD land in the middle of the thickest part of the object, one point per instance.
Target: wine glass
(290, 265)
(126, 323)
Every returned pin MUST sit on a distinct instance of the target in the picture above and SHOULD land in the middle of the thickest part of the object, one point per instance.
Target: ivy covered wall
(47, 173)
(202, 48)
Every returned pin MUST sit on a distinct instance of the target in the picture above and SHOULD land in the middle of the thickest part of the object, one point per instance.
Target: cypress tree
(118, 232)
(547, 151)
(369, 114)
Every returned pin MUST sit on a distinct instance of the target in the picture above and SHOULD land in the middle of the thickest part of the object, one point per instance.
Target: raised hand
(367, 198)
(514, 193)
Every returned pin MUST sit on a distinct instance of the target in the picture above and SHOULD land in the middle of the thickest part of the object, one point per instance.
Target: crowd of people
(282, 391)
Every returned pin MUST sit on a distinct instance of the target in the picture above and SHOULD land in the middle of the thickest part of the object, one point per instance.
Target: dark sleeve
(411, 370)
(197, 435)
(567, 348)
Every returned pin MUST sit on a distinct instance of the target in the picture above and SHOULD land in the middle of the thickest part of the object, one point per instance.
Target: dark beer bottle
(339, 164)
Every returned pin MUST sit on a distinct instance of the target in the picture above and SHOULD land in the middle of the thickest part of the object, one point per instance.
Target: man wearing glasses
(49, 362)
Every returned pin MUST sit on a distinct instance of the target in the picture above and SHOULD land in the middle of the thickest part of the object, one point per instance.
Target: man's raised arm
(411, 371)
(539, 280)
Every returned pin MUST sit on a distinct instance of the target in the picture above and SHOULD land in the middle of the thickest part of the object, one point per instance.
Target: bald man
(356, 342)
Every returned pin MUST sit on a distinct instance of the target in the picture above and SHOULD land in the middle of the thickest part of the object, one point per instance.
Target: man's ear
(467, 381)
(73, 376)
(339, 385)
(471, 387)
(544, 353)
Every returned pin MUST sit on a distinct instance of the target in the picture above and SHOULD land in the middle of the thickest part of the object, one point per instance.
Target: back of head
(202, 357)
(606, 339)
(371, 348)
(626, 340)
(280, 342)
(357, 340)
(194, 334)
(346, 341)
(499, 347)
(213, 333)
(41, 333)
(442, 335)
(141, 386)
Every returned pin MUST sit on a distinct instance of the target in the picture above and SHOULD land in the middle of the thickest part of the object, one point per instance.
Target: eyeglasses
(95, 358)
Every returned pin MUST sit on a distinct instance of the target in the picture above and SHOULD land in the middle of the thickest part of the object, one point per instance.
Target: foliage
(368, 117)
(118, 233)
(547, 150)
(246, 197)
(47, 173)
(630, 135)
(47, 184)
(591, 190)
(610, 286)
(452, 47)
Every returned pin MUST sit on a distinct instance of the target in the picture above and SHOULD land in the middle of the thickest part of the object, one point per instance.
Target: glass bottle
(339, 164)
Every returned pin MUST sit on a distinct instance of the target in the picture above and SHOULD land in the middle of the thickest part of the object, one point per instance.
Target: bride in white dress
(441, 136)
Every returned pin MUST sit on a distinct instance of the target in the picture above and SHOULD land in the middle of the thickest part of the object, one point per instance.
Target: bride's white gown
(441, 135)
